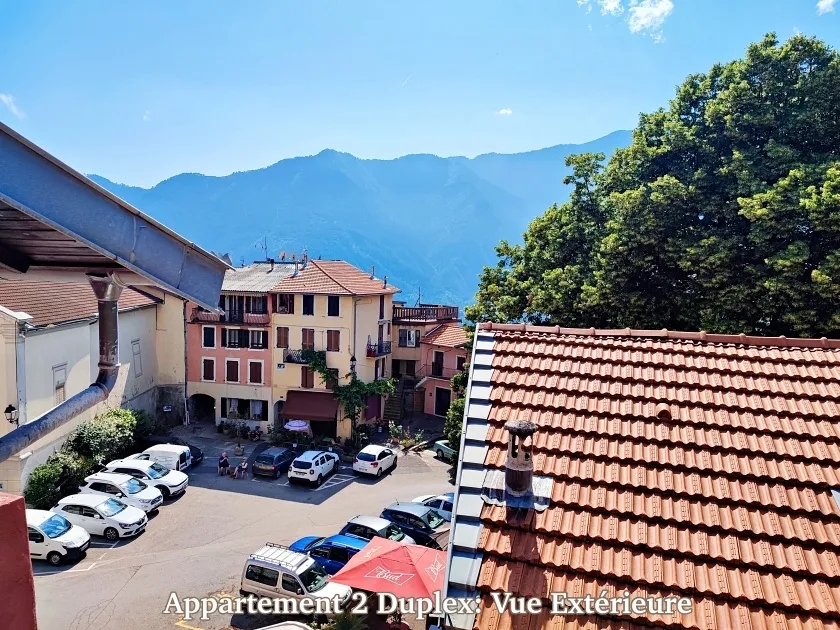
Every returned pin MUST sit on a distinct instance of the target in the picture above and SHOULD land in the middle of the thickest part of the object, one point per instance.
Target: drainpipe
(107, 290)
(20, 369)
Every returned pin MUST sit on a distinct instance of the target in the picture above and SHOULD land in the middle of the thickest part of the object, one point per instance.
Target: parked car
(366, 527)
(313, 466)
(331, 553)
(173, 456)
(154, 440)
(53, 538)
(126, 488)
(169, 482)
(418, 521)
(444, 451)
(103, 516)
(273, 461)
(374, 460)
(440, 503)
(277, 571)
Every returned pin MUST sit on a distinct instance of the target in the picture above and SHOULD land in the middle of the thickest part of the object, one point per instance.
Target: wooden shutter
(282, 337)
(244, 338)
(307, 338)
(307, 377)
(232, 371)
(224, 337)
(255, 372)
(208, 369)
(333, 340)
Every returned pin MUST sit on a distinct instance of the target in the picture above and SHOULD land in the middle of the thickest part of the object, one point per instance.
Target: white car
(313, 466)
(53, 538)
(103, 516)
(173, 456)
(440, 503)
(126, 488)
(374, 460)
(169, 482)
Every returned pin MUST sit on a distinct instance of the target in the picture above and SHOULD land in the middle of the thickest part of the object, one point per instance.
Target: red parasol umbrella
(386, 566)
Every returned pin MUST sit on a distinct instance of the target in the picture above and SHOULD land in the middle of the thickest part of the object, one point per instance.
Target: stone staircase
(394, 406)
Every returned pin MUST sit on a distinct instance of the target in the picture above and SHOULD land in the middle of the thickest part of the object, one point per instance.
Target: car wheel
(276, 474)
(394, 465)
(319, 480)
(439, 454)
(378, 473)
(335, 467)
(112, 534)
(164, 491)
(54, 558)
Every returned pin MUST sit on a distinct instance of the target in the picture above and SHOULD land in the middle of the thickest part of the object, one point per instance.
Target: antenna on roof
(372, 267)
(292, 256)
(418, 297)
(264, 247)
(283, 255)
(304, 258)
(385, 283)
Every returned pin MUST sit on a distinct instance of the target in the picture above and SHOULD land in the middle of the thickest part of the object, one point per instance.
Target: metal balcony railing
(230, 317)
(379, 349)
(299, 356)
(424, 313)
(435, 370)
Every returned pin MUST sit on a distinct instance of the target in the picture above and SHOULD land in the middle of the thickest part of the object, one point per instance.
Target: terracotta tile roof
(58, 302)
(452, 336)
(682, 464)
(333, 277)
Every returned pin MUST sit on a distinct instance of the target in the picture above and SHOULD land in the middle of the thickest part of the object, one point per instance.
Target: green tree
(454, 421)
(723, 214)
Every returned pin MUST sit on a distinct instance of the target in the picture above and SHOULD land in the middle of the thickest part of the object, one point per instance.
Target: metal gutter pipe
(107, 292)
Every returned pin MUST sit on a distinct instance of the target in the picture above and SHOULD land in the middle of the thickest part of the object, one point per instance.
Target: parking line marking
(182, 624)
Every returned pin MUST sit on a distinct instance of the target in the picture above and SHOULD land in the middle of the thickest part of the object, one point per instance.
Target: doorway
(443, 396)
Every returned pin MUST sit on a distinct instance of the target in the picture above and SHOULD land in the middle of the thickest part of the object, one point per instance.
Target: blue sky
(138, 92)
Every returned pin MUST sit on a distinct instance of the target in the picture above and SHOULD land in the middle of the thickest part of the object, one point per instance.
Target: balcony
(230, 317)
(425, 313)
(379, 349)
(435, 370)
(299, 356)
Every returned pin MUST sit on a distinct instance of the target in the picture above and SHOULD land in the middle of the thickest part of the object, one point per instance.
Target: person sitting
(224, 464)
(241, 469)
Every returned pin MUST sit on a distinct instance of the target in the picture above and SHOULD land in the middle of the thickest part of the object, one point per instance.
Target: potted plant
(395, 431)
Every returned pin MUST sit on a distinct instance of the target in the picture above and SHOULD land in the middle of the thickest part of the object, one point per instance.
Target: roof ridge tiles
(742, 339)
(330, 276)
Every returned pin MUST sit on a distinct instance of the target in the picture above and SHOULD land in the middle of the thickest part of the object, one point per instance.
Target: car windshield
(366, 457)
(315, 543)
(111, 507)
(433, 519)
(55, 526)
(302, 465)
(314, 578)
(133, 486)
(393, 532)
(265, 459)
(156, 471)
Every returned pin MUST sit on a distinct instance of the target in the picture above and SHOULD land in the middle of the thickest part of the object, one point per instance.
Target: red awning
(312, 406)
(386, 566)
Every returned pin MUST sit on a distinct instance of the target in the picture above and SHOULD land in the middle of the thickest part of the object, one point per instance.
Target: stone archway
(202, 409)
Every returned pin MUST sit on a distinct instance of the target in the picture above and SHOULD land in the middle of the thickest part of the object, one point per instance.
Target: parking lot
(196, 544)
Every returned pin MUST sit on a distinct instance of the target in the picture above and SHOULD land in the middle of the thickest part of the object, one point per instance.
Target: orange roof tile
(728, 501)
(449, 335)
(333, 277)
(58, 302)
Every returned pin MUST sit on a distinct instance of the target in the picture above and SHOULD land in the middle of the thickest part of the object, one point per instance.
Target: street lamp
(353, 364)
(11, 414)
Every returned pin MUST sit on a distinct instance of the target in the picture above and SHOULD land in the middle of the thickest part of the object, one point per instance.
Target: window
(359, 530)
(59, 380)
(282, 337)
(236, 338)
(333, 340)
(72, 509)
(259, 339)
(333, 305)
(208, 339)
(232, 370)
(255, 372)
(262, 575)
(337, 554)
(257, 304)
(307, 338)
(284, 303)
(332, 381)
(460, 362)
(35, 536)
(320, 552)
(208, 369)
(381, 307)
(308, 304)
(447, 506)
(307, 377)
(290, 583)
(135, 361)
(402, 335)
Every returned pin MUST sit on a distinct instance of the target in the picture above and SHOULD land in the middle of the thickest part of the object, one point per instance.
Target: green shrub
(42, 488)
(106, 437)
(145, 424)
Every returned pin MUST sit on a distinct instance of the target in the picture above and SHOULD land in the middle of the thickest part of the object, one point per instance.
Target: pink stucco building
(443, 352)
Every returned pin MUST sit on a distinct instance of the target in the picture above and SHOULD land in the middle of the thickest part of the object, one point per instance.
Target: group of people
(237, 472)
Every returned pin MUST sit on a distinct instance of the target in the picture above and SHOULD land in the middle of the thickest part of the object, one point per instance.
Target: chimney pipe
(372, 267)
(271, 260)
(519, 467)
(385, 283)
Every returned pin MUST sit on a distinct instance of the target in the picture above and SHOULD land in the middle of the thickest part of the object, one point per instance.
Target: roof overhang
(53, 219)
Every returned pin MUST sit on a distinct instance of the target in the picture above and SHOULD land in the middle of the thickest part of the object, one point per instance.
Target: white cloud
(648, 15)
(611, 7)
(823, 6)
(147, 116)
(585, 3)
(9, 101)
(505, 111)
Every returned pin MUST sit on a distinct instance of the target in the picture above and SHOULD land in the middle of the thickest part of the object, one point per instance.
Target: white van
(53, 538)
(173, 456)
(169, 482)
(276, 571)
(104, 516)
(131, 491)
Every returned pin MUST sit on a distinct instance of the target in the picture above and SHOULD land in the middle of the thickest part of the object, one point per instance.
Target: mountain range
(429, 223)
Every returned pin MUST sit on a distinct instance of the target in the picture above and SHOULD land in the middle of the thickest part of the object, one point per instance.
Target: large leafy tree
(722, 215)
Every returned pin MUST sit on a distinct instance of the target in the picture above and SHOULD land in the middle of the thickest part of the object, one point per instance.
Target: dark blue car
(331, 553)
